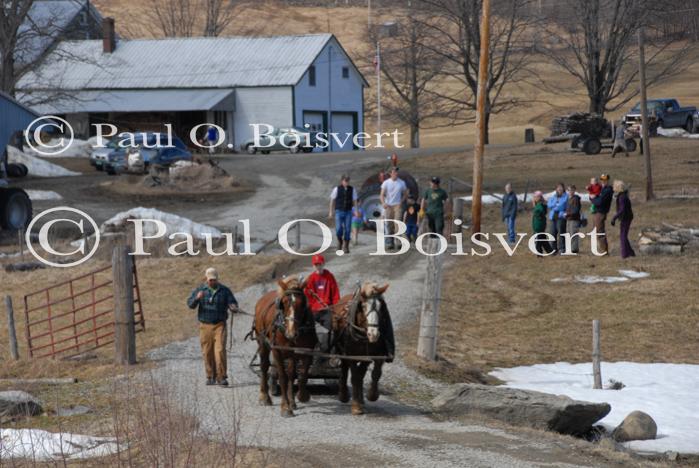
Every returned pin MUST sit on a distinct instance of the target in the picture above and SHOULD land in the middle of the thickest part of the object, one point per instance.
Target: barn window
(312, 75)
(345, 72)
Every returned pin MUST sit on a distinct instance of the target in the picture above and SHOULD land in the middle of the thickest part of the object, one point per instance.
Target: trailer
(15, 205)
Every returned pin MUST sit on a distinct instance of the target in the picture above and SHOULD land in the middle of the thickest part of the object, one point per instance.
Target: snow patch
(667, 392)
(38, 195)
(37, 166)
(173, 223)
(626, 275)
(43, 445)
(676, 133)
(77, 149)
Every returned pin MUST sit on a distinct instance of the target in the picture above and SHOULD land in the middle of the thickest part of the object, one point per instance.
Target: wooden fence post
(14, 352)
(429, 315)
(596, 355)
(124, 328)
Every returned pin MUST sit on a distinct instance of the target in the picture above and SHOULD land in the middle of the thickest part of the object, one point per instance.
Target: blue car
(150, 150)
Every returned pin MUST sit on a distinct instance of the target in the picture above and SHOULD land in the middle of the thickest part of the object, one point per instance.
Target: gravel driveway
(323, 433)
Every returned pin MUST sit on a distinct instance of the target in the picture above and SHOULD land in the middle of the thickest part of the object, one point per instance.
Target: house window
(345, 72)
(312, 75)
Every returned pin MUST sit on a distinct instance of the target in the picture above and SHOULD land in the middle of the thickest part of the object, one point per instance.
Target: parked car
(291, 139)
(666, 113)
(99, 156)
(143, 155)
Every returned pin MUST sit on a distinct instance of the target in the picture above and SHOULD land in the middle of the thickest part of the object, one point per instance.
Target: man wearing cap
(393, 193)
(433, 205)
(343, 199)
(213, 301)
(322, 292)
(602, 204)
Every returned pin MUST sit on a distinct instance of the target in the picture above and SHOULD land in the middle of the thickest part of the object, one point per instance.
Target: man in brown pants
(394, 193)
(602, 204)
(213, 300)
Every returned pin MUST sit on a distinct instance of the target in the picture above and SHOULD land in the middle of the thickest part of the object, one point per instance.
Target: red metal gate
(75, 316)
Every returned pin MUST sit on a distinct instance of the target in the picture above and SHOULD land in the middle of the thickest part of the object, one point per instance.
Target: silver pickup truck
(665, 113)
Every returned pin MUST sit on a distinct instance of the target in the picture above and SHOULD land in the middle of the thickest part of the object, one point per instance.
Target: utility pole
(645, 140)
(378, 85)
(480, 120)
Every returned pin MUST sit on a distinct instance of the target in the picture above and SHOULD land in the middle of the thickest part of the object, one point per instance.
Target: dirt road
(397, 430)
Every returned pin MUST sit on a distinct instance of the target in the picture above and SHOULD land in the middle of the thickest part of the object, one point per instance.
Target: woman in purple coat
(625, 215)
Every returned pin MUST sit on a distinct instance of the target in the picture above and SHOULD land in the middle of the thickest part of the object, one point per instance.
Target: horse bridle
(356, 332)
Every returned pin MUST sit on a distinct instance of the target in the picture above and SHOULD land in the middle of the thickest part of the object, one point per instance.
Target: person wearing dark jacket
(573, 211)
(539, 222)
(509, 212)
(602, 204)
(213, 301)
(625, 215)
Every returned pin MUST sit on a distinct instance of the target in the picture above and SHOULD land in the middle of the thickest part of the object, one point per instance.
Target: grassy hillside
(558, 94)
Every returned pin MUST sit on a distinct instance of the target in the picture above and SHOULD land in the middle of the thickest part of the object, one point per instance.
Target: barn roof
(45, 22)
(202, 62)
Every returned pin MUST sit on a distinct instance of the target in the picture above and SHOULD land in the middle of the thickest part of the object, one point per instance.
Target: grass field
(506, 311)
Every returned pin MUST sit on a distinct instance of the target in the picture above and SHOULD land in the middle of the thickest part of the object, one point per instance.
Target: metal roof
(152, 100)
(179, 63)
(46, 21)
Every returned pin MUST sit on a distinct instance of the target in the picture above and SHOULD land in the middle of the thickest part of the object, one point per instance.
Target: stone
(636, 426)
(521, 408)
(14, 403)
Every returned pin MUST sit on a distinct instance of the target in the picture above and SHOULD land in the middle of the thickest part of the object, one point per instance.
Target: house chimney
(108, 35)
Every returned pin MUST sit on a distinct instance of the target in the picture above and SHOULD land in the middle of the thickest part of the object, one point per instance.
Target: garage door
(343, 125)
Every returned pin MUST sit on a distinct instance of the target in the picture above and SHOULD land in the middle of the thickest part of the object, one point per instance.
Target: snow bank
(42, 445)
(497, 197)
(38, 195)
(668, 392)
(77, 149)
(676, 133)
(173, 223)
(37, 166)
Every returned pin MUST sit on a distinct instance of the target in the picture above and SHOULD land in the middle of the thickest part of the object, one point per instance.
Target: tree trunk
(414, 135)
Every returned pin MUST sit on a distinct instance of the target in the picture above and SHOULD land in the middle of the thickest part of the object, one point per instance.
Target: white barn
(282, 81)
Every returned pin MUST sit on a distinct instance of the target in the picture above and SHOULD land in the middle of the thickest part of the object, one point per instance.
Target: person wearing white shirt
(393, 193)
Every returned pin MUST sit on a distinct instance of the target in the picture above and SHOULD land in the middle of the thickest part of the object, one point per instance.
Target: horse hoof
(265, 400)
(287, 414)
(304, 396)
(343, 396)
(293, 406)
(357, 409)
(372, 394)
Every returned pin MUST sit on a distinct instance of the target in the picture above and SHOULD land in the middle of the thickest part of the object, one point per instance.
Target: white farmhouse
(138, 85)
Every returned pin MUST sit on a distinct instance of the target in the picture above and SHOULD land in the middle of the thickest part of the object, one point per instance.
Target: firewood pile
(669, 239)
(582, 123)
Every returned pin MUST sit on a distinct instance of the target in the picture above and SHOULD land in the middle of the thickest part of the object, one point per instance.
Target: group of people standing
(397, 204)
(563, 213)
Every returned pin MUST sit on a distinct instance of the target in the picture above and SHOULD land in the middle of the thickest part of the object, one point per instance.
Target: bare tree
(596, 45)
(182, 18)
(456, 27)
(410, 68)
(219, 14)
(30, 30)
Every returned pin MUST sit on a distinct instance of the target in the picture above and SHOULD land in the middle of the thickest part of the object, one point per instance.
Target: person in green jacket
(539, 222)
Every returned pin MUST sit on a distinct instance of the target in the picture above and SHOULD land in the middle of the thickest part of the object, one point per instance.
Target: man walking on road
(213, 301)
(342, 201)
(433, 206)
(393, 193)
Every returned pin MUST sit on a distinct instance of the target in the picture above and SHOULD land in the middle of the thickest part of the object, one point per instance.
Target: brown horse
(288, 326)
(357, 320)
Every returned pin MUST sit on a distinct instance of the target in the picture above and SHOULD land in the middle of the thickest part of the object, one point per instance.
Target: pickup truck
(665, 113)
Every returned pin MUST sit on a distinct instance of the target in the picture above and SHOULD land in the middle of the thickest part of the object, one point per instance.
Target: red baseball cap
(318, 259)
